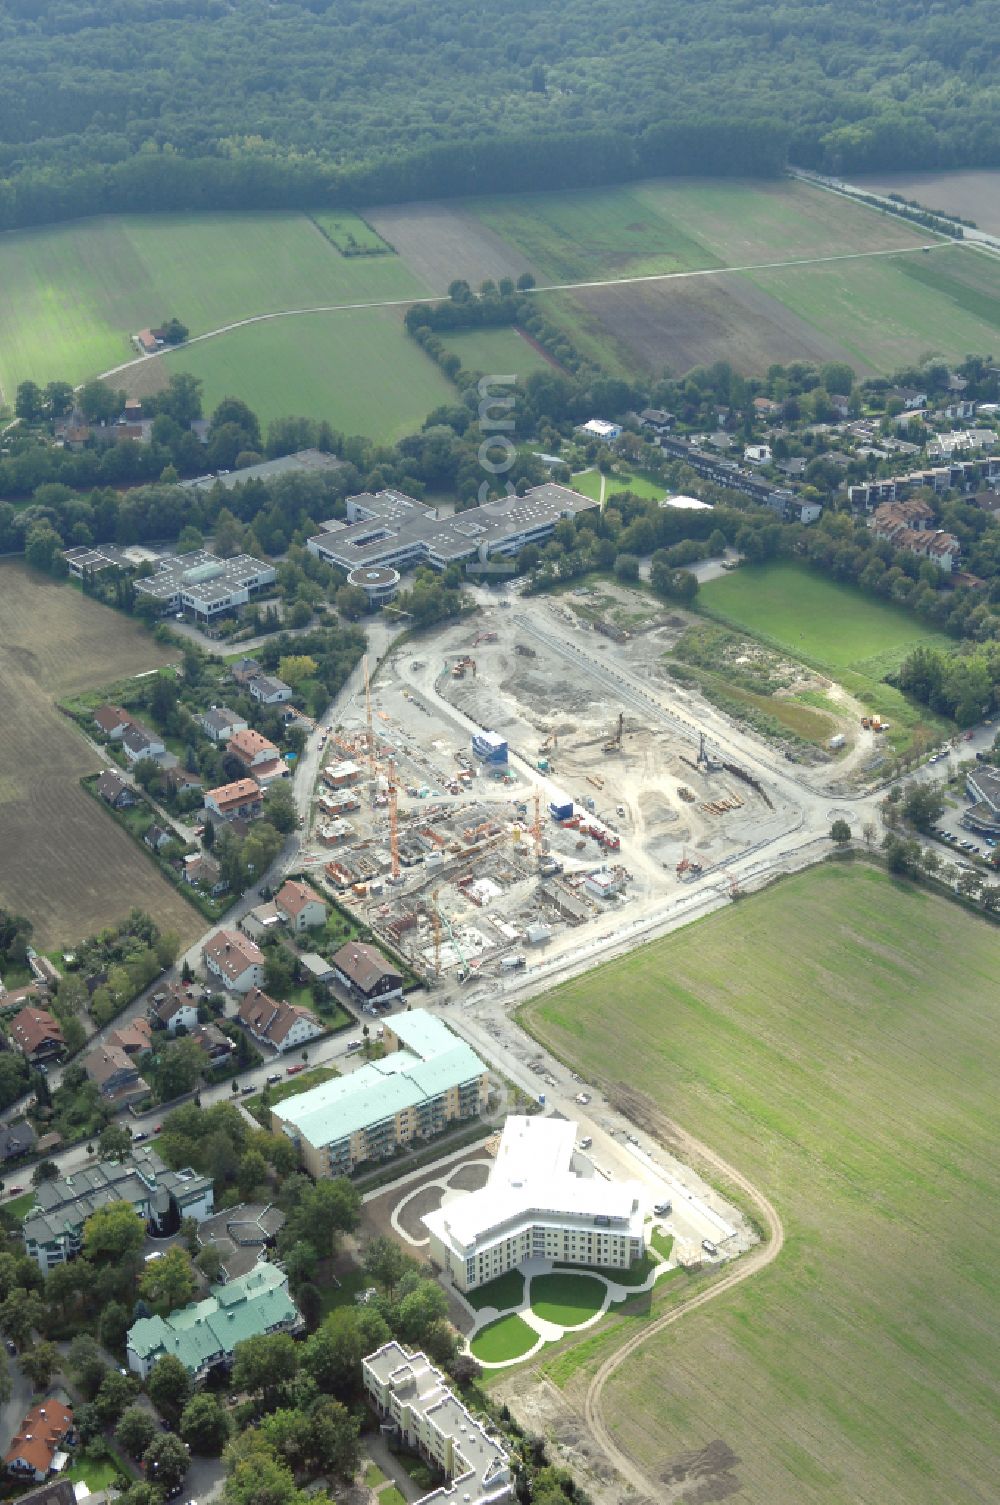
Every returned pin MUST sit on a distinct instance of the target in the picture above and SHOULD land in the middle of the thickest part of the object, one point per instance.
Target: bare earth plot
(973, 195)
(694, 322)
(439, 242)
(835, 1038)
(63, 861)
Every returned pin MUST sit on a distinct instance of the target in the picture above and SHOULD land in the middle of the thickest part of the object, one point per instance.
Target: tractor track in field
(553, 287)
(758, 1259)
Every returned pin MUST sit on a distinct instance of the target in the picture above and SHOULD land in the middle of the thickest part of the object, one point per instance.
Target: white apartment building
(535, 1206)
(411, 1395)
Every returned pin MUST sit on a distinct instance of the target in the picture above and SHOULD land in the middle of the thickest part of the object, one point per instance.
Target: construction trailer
(490, 749)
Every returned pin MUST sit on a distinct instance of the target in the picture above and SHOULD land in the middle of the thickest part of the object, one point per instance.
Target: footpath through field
(549, 287)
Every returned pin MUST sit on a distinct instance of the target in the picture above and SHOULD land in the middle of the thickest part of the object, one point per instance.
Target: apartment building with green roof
(204, 1334)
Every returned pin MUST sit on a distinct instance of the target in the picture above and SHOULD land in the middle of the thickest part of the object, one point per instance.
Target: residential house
(202, 871)
(258, 755)
(204, 1335)
(794, 509)
(301, 906)
(114, 791)
(134, 1037)
(16, 1140)
(244, 670)
(757, 454)
(269, 690)
(987, 501)
(158, 837)
(112, 720)
(234, 960)
(220, 723)
(241, 799)
(366, 972)
(53, 1229)
(601, 428)
(182, 780)
(115, 1075)
(764, 407)
(261, 921)
(37, 1034)
(283, 1026)
(904, 525)
(656, 419)
(139, 742)
(175, 1006)
(216, 1045)
(59, 1491)
(912, 398)
(45, 1432)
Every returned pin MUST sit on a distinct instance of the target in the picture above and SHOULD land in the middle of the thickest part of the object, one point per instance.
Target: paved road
(970, 234)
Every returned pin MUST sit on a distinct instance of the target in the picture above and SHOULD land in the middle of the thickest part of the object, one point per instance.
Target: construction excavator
(614, 743)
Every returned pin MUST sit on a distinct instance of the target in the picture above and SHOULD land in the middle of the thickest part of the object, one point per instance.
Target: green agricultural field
(834, 1038)
(834, 627)
(358, 369)
(888, 311)
(675, 225)
(501, 351)
(350, 233)
(73, 294)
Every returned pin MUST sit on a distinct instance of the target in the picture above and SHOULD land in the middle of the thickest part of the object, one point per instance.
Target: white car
(583, 1098)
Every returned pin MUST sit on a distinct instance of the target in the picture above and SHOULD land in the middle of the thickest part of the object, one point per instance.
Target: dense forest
(180, 103)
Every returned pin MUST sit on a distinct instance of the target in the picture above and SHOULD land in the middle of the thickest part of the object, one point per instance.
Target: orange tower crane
(394, 821)
(368, 724)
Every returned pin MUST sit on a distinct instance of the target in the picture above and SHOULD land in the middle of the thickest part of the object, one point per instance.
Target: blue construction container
(489, 747)
(560, 807)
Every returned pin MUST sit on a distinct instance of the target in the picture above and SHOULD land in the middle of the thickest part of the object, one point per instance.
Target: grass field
(64, 862)
(566, 1299)
(96, 1473)
(834, 627)
(74, 293)
(506, 1338)
(834, 1037)
(357, 369)
(501, 351)
(887, 312)
(588, 483)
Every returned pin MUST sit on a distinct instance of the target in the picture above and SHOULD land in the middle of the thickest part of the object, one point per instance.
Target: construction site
(497, 794)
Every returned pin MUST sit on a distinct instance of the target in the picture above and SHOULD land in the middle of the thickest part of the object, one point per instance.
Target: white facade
(300, 1033)
(534, 1206)
(412, 1396)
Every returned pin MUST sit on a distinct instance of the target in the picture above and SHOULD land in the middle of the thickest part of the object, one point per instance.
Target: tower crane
(394, 821)
(370, 735)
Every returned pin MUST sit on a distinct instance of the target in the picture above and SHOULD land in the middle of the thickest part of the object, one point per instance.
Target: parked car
(709, 1247)
(274, 1077)
(138, 1138)
(11, 1347)
(246, 1091)
(662, 1209)
(158, 1128)
(294, 1070)
(15, 1191)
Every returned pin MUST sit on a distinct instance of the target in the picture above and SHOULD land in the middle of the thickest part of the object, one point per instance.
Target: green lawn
(588, 483)
(834, 627)
(495, 351)
(637, 1272)
(835, 1037)
(358, 369)
(662, 1242)
(391, 1496)
(19, 1207)
(74, 293)
(97, 1473)
(566, 1299)
(350, 1286)
(374, 1476)
(504, 1292)
(506, 1338)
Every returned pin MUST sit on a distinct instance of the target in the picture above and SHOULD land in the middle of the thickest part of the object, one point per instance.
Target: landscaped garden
(507, 1338)
(565, 1299)
(503, 1293)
